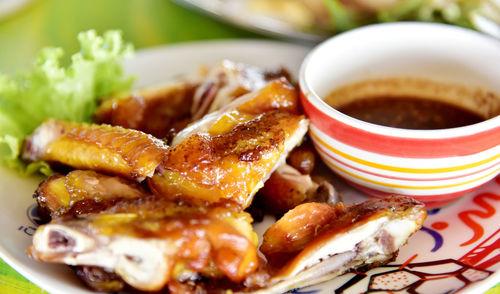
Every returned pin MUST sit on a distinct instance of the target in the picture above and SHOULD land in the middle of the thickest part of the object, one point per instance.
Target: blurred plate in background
(249, 15)
(315, 20)
(8, 7)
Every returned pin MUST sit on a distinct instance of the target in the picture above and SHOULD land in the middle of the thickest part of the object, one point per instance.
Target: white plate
(467, 231)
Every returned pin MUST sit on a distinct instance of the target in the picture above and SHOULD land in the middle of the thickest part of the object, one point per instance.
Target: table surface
(145, 23)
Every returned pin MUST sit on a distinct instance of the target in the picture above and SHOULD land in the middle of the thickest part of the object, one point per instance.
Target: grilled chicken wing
(148, 252)
(156, 111)
(128, 153)
(83, 192)
(369, 233)
(229, 154)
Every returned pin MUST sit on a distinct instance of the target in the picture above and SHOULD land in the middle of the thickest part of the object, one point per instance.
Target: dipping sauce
(415, 103)
(410, 113)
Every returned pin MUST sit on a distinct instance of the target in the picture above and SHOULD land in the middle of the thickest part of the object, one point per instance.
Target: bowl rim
(312, 97)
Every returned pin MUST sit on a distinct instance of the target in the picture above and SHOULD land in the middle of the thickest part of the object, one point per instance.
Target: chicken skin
(323, 242)
(83, 192)
(147, 251)
(114, 150)
(157, 111)
(229, 154)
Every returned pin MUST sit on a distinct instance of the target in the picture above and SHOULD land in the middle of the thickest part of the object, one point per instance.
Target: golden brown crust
(229, 166)
(393, 207)
(198, 241)
(298, 227)
(115, 150)
(83, 192)
(156, 111)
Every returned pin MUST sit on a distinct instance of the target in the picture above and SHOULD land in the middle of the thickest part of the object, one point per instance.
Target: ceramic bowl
(433, 166)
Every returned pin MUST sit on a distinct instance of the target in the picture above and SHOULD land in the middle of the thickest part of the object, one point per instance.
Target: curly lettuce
(51, 90)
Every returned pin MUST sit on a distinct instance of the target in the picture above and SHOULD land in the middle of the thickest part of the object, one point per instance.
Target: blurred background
(34, 24)
(28, 25)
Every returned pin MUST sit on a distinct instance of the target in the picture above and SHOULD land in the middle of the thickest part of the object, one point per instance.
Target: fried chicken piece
(369, 233)
(303, 158)
(148, 252)
(115, 150)
(299, 226)
(83, 192)
(225, 82)
(229, 154)
(156, 111)
(288, 187)
(285, 189)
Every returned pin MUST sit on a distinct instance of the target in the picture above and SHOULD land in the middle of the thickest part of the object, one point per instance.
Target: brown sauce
(410, 113)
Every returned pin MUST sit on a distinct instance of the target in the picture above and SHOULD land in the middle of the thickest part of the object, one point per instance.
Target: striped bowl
(433, 166)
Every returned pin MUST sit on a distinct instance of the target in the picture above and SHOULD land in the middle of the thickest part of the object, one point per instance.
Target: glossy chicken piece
(277, 94)
(82, 192)
(303, 158)
(285, 189)
(299, 226)
(115, 150)
(369, 233)
(157, 111)
(292, 184)
(229, 154)
(148, 252)
(225, 82)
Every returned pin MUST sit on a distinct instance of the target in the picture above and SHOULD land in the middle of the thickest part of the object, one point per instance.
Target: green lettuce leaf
(51, 90)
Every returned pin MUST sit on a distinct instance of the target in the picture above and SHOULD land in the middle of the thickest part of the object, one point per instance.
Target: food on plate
(367, 234)
(149, 252)
(294, 230)
(292, 184)
(307, 15)
(129, 153)
(287, 188)
(150, 216)
(303, 158)
(228, 154)
(164, 110)
(158, 111)
(84, 191)
(130, 211)
(228, 80)
(333, 16)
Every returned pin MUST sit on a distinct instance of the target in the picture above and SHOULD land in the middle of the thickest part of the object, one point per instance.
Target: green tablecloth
(145, 23)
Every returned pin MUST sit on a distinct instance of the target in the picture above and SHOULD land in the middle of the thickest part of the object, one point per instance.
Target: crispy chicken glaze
(85, 191)
(114, 150)
(148, 252)
(183, 229)
(157, 111)
(225, 82)
(229, 154)
(164, 110)
(365, 234)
